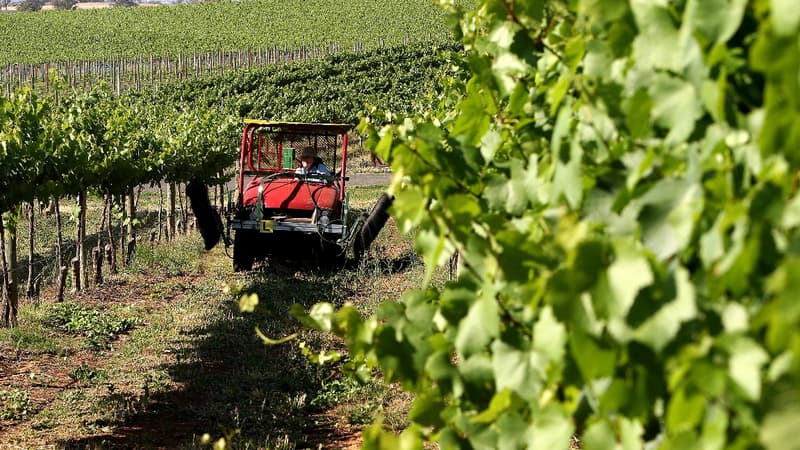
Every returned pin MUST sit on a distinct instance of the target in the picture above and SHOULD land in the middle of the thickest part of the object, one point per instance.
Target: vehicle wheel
(242, 254)
(333, 257)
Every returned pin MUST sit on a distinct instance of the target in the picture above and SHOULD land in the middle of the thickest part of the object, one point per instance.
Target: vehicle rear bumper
(279, 226)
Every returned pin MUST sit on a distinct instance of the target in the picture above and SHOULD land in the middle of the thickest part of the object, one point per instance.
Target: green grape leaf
(717, 20)
(516, 369)
(637, 113)
(599, 436)
(427, 409)
(785, 16)
(549, 336)
(779, 429)
(744, 366)
(434, 250)
(685, 410)
(567, 180)
(513, 431)
(676, 107)
(660, 328)
(501, 401)
(593, 360)
(479, 327)
(552, 429)
(248, 302)
(628, 274)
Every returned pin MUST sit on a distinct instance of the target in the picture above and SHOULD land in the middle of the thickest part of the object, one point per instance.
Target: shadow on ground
(232, 381)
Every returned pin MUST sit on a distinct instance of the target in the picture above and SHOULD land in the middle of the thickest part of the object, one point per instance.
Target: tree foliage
(63, 4)
(30, 5)
(619, 180)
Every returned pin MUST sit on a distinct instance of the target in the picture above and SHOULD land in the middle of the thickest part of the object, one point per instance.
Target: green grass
(34, 335)
(213, 26)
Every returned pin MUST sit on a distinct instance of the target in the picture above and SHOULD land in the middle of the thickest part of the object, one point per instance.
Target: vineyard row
(123, 74)
(69, 143)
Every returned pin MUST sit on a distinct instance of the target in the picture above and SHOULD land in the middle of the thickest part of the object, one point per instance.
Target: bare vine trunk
(221, 197)
(30, 289)
(160, 209)
(171, 212)
(131, 243)
(102, 226)
(112, 262)
(181, 211)
(59, 234)
(122, 229)
(80, 239)
(59, 248)
(6, 312)
(138, 197)
(11, 276)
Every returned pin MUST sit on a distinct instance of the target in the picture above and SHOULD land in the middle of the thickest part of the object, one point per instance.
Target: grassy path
(191, 363)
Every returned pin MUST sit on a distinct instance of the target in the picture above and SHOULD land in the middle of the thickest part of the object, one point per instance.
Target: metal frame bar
(290, 227)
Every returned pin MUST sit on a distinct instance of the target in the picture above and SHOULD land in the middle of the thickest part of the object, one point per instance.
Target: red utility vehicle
(282, 211)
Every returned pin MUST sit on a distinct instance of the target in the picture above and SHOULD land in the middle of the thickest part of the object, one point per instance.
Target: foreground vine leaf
(619, 179)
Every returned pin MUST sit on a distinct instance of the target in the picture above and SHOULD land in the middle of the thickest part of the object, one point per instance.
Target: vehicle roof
(303, 126)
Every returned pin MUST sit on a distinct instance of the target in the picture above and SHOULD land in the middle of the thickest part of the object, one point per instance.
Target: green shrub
(15, 404)
(99, 328)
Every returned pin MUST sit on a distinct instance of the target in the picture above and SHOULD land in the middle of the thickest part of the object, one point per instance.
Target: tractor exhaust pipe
(372, 225)
(209, 221)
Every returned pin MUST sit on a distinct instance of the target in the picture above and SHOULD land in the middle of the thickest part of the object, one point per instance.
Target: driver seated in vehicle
(310, 162)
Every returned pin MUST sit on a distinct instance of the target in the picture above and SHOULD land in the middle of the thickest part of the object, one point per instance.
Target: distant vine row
(69, 143)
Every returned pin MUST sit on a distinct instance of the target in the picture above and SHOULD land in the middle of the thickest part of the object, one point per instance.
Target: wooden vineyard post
(80, 240)
(131, 244)
(111, 247)
(123, 231)
(97, 265)
(13, 275)
(130, 250)
(5, 314)
(221, 197)
(171, 212)
(62, 282)
(182, 212)
(76, 274)
(62, 269)
(29, 288)
(160, 209)
(110, 255)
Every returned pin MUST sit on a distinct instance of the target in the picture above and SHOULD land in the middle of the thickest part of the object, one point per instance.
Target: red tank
(292, 194)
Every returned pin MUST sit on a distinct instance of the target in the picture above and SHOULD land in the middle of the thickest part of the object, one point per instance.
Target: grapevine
(619, 182)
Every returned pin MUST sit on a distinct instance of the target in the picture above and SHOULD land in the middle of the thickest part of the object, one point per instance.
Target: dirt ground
(191, 364)
(170, 416)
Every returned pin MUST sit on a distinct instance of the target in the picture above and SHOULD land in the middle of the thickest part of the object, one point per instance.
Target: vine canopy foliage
(619, 179)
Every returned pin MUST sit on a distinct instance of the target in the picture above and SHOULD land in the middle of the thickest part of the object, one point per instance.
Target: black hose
(372, 225)
(209, 221)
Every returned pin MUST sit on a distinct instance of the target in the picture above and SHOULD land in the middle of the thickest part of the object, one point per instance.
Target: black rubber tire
(333, 257)
(243, 257)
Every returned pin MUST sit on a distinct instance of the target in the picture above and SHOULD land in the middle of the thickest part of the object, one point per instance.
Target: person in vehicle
(310, 162)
